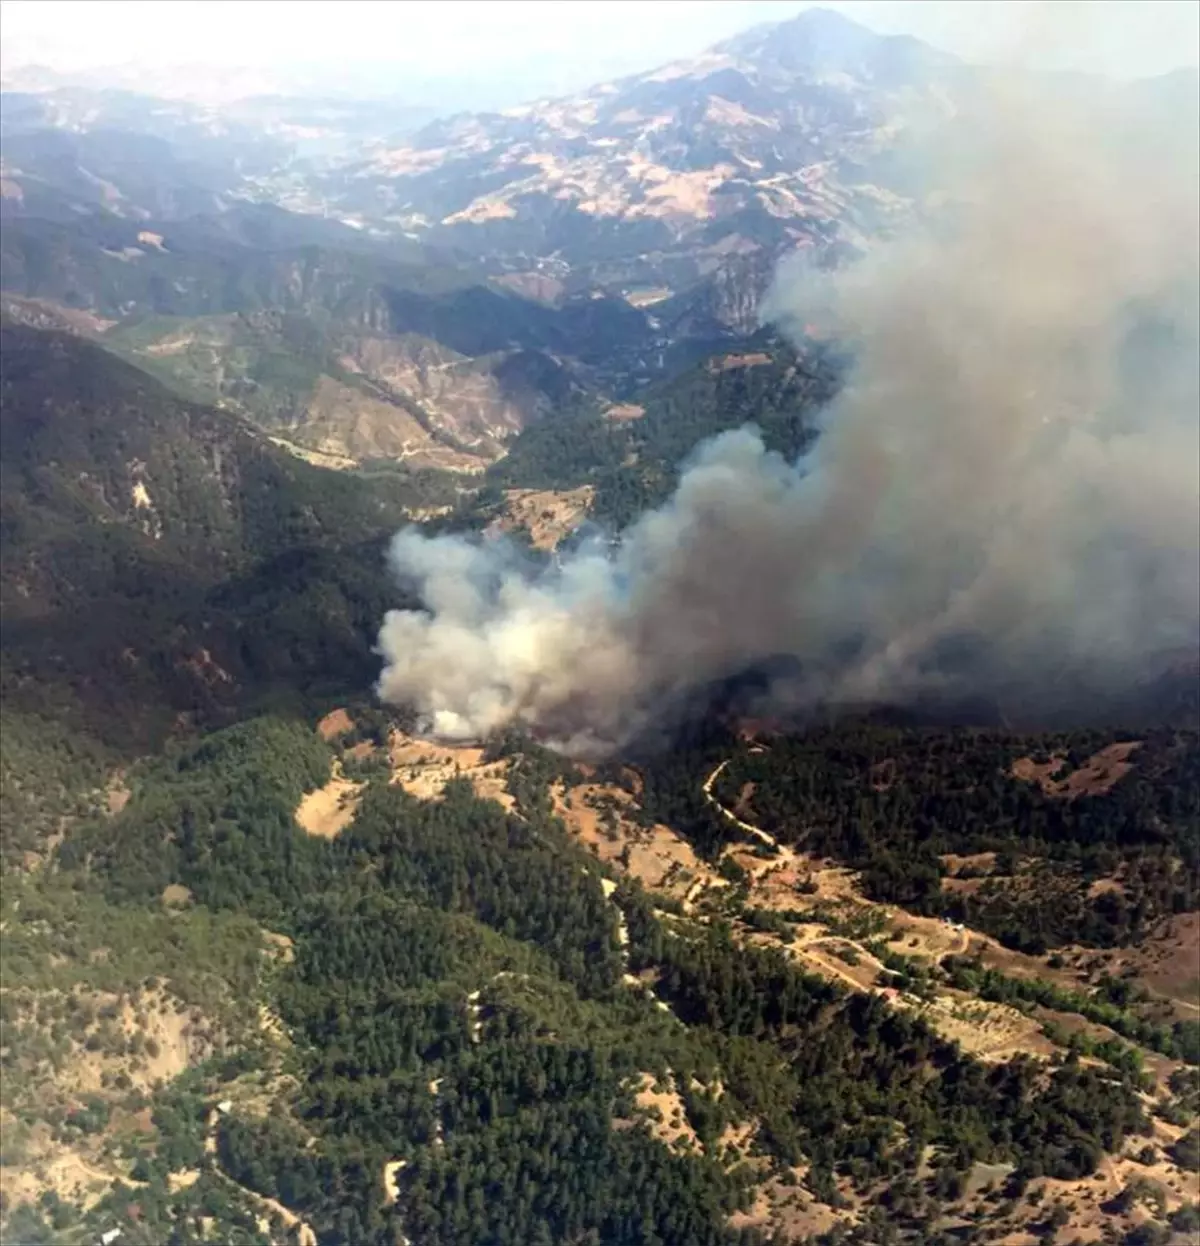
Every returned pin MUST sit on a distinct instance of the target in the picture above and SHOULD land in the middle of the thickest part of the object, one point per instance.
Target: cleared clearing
(336, 723)
(167, 1039)
(548, 515)
(602, 818)
(662, 1106)
(327, 811)
(1099, 774)
(754, 360)
(423, 768)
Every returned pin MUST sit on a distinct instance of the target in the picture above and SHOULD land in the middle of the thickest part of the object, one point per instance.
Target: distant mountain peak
(820, 41)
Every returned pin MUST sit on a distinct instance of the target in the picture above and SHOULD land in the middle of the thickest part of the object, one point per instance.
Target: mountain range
(366, 287)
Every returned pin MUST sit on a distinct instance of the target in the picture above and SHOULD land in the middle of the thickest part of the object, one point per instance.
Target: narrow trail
(306, 1236)
(801, 952)
(608, 887)
(729, 815)
(784, 856)
(801, 947)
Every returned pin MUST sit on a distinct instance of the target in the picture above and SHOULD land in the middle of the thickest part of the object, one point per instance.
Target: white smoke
(1006, 490)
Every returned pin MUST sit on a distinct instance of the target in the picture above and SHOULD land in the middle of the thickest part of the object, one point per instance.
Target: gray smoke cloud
(1003, 498)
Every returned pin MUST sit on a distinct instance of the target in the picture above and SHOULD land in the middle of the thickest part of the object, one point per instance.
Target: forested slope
(457, 1056)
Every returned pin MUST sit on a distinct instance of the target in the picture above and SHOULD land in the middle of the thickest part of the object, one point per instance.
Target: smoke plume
(1004, 499)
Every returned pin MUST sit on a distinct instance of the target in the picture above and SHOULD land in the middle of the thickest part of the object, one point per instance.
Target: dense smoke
(1003, 500)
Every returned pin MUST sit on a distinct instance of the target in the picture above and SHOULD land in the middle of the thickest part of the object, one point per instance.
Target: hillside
(348, 353)
(763, 142)
(498, 972)
(162, 558)
(631, 453)
(674, 191)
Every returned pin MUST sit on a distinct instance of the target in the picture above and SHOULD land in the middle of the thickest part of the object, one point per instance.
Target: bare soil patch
(986, 1030)
(623, 412)
(335, 723)
(175, 896)
(648, 297)
(279, 946)
(1167, 963)
(424, 767)
(548, 515)
(327, 811)
(391, 1180)
(787, 1212)
(318, 458)
(662, 1106)
(726, 362)
(148, 1039)
(46, 314)
(347, 423)
(975, 864)
(76, 1177)
(1099, 774)
(602, 818)
(116, 794)
(1089, 1220)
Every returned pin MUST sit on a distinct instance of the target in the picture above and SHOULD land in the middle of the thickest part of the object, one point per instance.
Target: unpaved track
(757, 832)
(307, 1237)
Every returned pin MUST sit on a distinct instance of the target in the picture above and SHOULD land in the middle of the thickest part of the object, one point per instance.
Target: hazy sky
(526, 47)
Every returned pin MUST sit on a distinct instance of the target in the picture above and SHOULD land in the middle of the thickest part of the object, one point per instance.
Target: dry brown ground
(754, 360)
(335, 723)
(347, 423)
(661, 859)
(328, 810)
(391, 1183)
(1098, 774)
(77, 1171)
(788, 1212)
(76, 1177)
(1085, 1199)
(662, 1107)
(175, 896)
(986, 1030)
(279, 946)
(975, 863)
(175, 1029)
(1167, 963)
(623, 412)
(549, 515)
(116, 794)
(45, 313)
(647, 298)
(423, 768)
